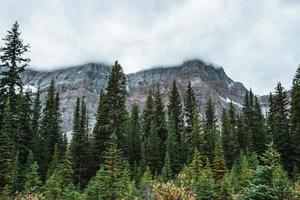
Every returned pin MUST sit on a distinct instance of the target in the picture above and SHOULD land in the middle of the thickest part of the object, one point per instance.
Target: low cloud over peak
(256, 41)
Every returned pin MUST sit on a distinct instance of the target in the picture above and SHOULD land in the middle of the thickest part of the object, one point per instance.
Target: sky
(257, 42)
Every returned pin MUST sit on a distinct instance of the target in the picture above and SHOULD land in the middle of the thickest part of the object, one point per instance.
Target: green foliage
(219, 165)
(32, 182)
(295, 119)
(50, 130)
(166, 170)
(115, 98)
(80, 144)
(210, 129)
(175, 115)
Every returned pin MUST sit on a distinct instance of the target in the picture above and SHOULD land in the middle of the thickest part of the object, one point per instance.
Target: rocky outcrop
(86, 81)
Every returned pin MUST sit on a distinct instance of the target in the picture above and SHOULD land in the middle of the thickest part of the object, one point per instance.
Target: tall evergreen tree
(160, 119)
(112, 179)
(172, 148)
(134, 138)
(12, 64)
(152, 150)
(32, 182)
(210, 129)
(101, 133)
(192, 128)
(7, 149)
(219, 165)
(258, 128)
(80, 144)
(190, 108)
(280, 124)
(175, 114)
(148, 115)
(295, 118)
(115, 98)
(35, 125)
(50, 133)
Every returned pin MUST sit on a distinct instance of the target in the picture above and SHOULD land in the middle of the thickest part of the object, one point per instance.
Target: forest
(163, 152)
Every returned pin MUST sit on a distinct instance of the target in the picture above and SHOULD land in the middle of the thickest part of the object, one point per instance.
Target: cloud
(255, 41)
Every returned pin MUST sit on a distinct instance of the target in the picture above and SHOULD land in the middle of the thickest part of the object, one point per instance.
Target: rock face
(88, 80)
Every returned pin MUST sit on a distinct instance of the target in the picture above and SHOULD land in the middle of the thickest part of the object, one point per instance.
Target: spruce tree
(32, 183)
(24, 142)
(101, 133)
(112, 178)
(7, 148)
(190, 108)
(160, 119)
(152, 150)
(50, 133)
(173, 148)
(219, 165)
(80, 144)
(233, 145)
(175, 114)
(196, 166)
(35, 125)
(210, 129)
(148, 115)
(134, 139)
(166, 170)
(263, 186)
(12, 64)
(295, 118)
(258, 129)
(115, 98)
(280, 125)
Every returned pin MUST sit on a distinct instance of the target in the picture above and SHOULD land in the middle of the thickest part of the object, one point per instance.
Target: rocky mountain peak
(86, 81)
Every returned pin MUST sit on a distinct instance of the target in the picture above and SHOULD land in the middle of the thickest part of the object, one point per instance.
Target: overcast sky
(257, 42)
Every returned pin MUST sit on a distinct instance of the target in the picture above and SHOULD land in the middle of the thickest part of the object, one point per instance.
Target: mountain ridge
(86, 81)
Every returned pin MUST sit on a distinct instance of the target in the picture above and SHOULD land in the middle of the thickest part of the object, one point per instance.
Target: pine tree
(115, 98)
(295, 118)
(206, 186)
(160, 119)
(262, 187)
(175, 114)
(210, 129)
(113, 179)
(152, 150)
(80, 144)
(195, 136)
(258, 129)
(134, 139)
(196, 166)
(219, 165)
(166, 170)
(148, 115)
(7, 149)
(35, 125)
(24, 142)
(12, 63)
(233, 150)
(190, 108)
(50, 133)
(101, 133)
(32, 183)
(247, 120)
(173, 148)
(192, 129)
(280, 125)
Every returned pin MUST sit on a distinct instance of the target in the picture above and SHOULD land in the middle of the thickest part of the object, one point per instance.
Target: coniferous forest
(161, 152)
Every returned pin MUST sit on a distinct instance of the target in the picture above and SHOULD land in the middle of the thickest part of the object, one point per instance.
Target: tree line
(160, 152)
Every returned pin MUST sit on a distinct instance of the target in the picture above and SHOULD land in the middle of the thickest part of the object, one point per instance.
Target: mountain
(88, 80)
